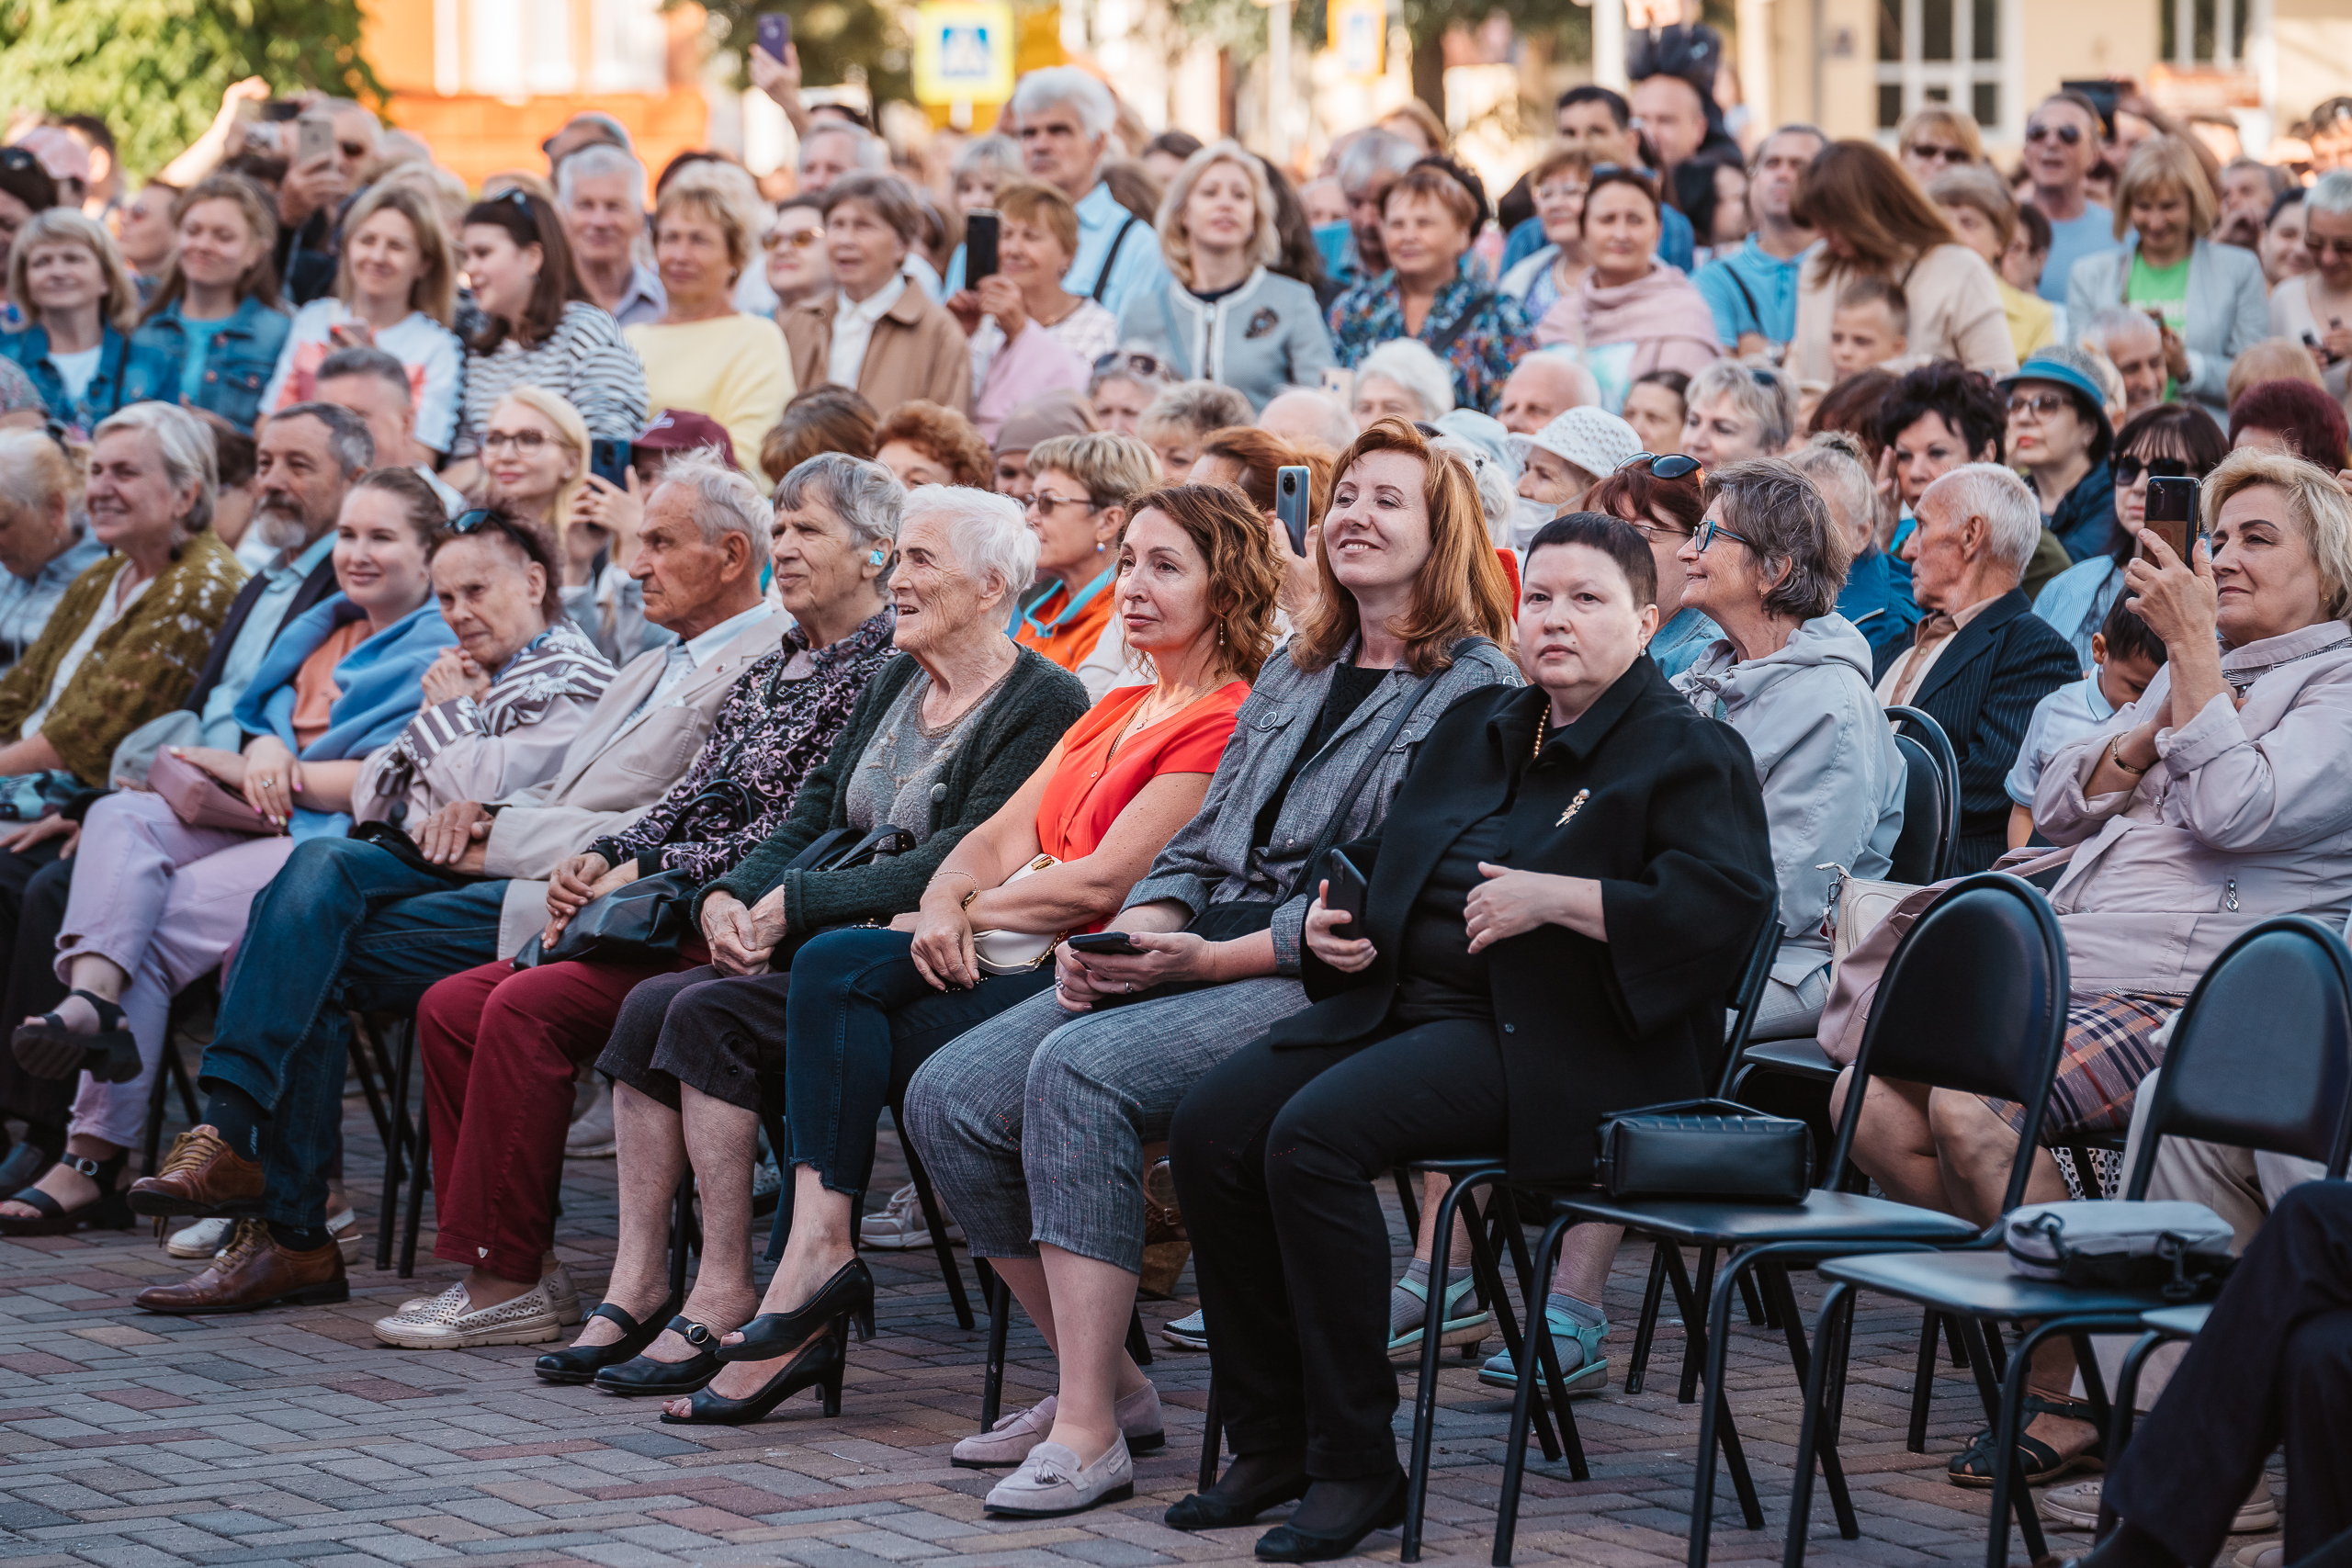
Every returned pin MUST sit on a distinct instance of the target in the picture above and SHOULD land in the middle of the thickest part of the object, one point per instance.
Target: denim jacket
(29, 347)
(241, 354)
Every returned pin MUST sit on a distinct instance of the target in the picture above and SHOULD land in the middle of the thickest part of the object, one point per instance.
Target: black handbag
(1709, 1149)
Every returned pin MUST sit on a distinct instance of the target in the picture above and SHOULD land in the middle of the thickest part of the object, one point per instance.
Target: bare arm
(33, 754)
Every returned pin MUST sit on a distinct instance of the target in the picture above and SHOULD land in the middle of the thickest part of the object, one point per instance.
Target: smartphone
(313, 139)
(979, 245)
(608, 460)
(1346, 894)
(276, 109)
(1105, 941)
(1290, 493)
(1341, 384)
(775, 35)
(2171, 513)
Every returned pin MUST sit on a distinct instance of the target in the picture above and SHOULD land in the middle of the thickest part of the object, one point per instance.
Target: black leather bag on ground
(1710, 1149)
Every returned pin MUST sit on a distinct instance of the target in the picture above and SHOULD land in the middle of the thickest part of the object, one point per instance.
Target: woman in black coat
(1571, 876)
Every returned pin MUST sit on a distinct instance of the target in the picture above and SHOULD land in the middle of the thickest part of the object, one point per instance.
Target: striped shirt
(584, 360)
(559, 665)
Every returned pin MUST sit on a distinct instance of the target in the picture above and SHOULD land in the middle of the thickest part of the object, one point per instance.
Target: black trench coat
(1658, 803)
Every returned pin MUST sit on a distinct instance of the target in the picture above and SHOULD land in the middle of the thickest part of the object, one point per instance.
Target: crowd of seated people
(938, 668)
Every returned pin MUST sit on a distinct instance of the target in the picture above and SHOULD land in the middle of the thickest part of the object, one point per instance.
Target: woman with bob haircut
(822, 418)
(1874, 221)
(79, 309)
(1224, 317)
(2210, 300)
(1570, 874)
(704, 354)
(923, 444)
(876, 331)
(1935, 139)
(1032, 1125)
(1037, 235)
(1631, 313)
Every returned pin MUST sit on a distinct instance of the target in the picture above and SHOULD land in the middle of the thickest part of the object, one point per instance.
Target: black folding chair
(388, 1030)
(2261, 1058)
(196, 999)
(1974, 998)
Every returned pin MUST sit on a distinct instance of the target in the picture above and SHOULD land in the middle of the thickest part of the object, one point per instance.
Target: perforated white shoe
(451, 1322)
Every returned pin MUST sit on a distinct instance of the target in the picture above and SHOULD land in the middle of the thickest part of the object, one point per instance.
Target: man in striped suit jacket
(1980, 659)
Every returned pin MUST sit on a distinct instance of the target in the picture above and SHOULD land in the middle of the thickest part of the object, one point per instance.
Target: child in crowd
(1868, 325)
(2125, 655)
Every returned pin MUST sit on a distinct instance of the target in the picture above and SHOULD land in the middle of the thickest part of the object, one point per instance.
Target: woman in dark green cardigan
(939, 740)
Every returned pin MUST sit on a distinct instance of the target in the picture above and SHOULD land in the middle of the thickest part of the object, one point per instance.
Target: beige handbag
(1857, 906)
(1014, 952)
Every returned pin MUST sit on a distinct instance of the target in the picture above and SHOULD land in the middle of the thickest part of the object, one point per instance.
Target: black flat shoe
(1288, 1543)
(581, 1363)
(642, 1375)
(1212, 1511)
(820, 1365)
(49, 1049)
(848, 1294)
(108, 1211)
(25, 1162)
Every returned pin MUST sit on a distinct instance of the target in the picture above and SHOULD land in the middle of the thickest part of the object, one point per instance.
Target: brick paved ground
(292, 1436)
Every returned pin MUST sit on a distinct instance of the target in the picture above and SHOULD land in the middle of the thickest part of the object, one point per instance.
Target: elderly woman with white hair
(1402, 379)
(1223, 316)
(2222, 799)
(939, 740)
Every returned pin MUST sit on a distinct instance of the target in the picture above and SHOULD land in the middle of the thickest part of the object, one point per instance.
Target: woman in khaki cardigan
(876, 331)
(1874, 221)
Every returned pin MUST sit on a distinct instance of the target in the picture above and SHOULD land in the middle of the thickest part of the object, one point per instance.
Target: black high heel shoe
(581, 1363)
(848, 1294)
(642, 1375)
(1289, 1543)
(819, 1364)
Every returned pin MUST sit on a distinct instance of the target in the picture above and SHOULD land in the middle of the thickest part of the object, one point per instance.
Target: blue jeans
(344, 926)
(858, 1021)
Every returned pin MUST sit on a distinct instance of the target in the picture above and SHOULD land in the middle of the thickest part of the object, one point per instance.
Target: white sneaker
(1052, 1481)
(2075, 1506)
(900, 1224)
(592, 1135)
(203, 1240)
(1190, 1332)
(450, 1321)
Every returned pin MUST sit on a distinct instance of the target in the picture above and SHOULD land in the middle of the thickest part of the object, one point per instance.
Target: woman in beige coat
(876, 331)
(1874, 221)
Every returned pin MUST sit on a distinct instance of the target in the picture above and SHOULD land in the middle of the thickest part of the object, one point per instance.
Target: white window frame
(1960, 75)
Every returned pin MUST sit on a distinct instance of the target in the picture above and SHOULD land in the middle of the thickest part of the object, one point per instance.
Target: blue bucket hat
(2069, 368)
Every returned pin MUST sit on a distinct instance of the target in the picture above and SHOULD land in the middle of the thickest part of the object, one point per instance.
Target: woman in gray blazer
(2210, 300)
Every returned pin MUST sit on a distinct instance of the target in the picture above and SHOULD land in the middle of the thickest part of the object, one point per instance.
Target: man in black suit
(1980, 659)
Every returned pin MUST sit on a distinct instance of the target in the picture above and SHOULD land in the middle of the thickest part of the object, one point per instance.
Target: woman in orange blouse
(1086, 487)
(1195, 580)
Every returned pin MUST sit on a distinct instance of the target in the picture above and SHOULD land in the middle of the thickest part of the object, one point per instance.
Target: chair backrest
(1748, 995)
(2261, 1057)
(1919, 850)
(1920, 729)
(1974, 1000)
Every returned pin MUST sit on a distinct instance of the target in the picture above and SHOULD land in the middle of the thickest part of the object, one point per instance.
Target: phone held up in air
(775, 35)
(1345, 895)
(1291, 494)
(608, 460)
(1114, 943)
(979, 245)
(313, 139)
(2171, 513)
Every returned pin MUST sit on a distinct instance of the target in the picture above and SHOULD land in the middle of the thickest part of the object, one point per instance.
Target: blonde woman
(67, 281)
(704, 356)
(1937, 139)
(395, 289)
(212, 330)
(1223, 316)
(1030, 336)
(534, 464)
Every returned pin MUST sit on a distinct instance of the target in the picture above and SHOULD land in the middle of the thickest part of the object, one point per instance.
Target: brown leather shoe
(201, 1178)
(253, 1272)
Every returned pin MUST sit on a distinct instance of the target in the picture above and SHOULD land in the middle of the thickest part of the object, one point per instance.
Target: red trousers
(502, 1048)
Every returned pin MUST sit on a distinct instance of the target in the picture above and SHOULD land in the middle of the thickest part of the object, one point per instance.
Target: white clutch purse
(1012, 953)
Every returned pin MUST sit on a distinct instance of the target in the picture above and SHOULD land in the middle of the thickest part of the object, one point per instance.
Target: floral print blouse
(775, 725)
(1484, 331)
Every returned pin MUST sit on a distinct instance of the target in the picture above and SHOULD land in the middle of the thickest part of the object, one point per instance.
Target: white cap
(1593, 439)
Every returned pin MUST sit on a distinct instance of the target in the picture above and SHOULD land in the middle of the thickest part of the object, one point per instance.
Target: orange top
(314, 688)
(1093, 784)
(1067, 642)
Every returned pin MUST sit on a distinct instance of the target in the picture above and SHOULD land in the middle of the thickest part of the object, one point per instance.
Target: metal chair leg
(416, 1185)
(1716, 1428)
(941, 1247)
(999, 1325)
(1539, 1335)
(682, 1214)
(1817, 1430)
(1783, 1302)
(2127, 1393)
(2010, 1493)
(1761, 1311)
(401, 1150)
(1922, 1382)
(1408, 1199)
(1693, 1347)
(1653, 1296)
(1425, 1393)
(1693, 1308)
(1138, 1346)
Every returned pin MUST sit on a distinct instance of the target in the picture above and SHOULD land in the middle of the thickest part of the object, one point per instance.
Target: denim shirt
(29, 347)
(240, 354)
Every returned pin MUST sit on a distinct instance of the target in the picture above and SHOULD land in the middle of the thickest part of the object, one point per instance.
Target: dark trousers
(500, 1048)
(345, 926)
(33, 887)
(2274, 1363)
(1275, 1154)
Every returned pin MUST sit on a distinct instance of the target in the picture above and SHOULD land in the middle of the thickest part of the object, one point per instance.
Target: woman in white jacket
(1223, 316)
(1793, 677)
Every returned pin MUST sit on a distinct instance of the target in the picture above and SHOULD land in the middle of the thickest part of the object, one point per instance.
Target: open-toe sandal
(1973, 1465)
(49, 1048)
(108, 1211)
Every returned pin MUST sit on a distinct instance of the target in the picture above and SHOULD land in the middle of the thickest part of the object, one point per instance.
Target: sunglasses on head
(1134, 360)
(2128, 468)
(1669, 466)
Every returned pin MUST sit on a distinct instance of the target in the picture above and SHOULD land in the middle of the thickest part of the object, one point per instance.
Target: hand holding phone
(1292, 492)
(1100, 942)
(979, 245)
(313, 139)
(2171, 514)
(774, 34)
(1344, 890)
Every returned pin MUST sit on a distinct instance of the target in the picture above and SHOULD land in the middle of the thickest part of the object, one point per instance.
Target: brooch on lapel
(1263, 323)
(1574, 806)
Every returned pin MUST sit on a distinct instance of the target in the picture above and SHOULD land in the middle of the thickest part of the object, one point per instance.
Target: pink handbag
(200, 800)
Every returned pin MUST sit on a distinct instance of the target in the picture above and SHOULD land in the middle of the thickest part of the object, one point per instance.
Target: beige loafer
(1052, 1481)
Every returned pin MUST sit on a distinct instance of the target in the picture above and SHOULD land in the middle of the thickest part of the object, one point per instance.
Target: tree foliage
(155, 70)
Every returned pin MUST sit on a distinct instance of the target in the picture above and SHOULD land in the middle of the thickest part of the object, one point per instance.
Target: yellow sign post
(964, 51)
(1359, 35)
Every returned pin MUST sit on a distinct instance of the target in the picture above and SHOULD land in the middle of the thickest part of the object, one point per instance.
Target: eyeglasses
(1046, 501)
(518, 196)
(2070, 134)
(1927, 153)
(2041, 405)
(480, 516)
(2128, 468)
(1562, 190)
(798, 239)
(1711, 530)
(1652, 533)
(521, 440)
(1672, 465)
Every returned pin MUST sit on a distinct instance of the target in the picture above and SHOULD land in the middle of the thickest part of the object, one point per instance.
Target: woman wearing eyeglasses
(1936, 137)
(212, 332)
(535, 464)
(2314, 307)
(540, 329)
(1079, 510)
(1874, 221)
(1661, 496)
(2059, 438)
(797, 268)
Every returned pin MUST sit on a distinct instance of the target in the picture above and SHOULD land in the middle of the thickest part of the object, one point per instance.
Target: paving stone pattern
(292, 1436)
